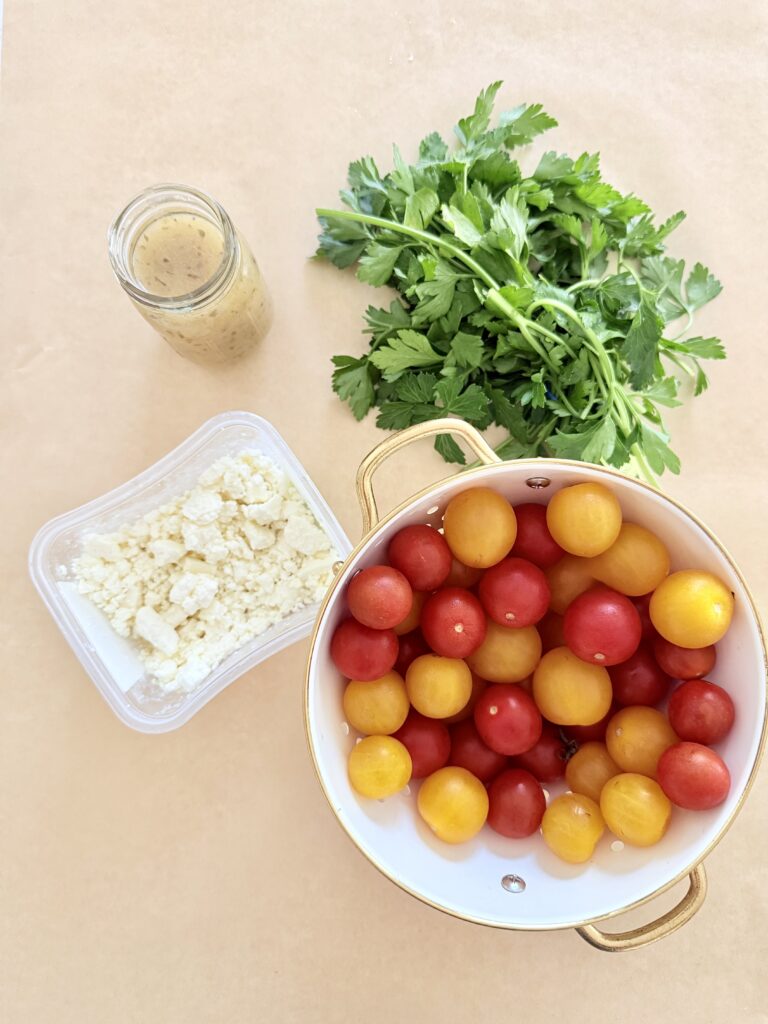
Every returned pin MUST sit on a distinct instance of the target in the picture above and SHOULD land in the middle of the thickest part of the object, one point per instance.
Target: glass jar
(190, 273)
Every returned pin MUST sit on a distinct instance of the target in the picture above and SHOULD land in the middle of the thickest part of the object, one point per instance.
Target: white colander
(520, 884)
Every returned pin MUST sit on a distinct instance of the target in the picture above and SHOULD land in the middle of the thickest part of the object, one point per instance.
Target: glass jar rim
(148, 206)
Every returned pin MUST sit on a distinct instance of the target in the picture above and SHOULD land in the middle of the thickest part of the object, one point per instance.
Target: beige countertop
(200, 876)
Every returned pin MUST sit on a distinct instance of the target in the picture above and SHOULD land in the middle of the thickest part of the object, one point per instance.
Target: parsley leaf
(472, 127)
(435, 296)
(664, 392)
(701, 348)
(352, 382)
(471, 404)
(416, 388)
(524, 123)
(382, 323)
(404, 352)
(461, 225)
(640, 347)
(378, 264)
(449, 449)
(658, 452)
(467, 350)
(420, 208)
(701, 287)
(433, 148)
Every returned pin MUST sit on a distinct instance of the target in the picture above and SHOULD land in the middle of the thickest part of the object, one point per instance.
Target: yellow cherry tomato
(636, 738)
(589, 769)
(569, 691)
(478, 685)
(635, 564)
(480, 526)
(379, 766)
(572, 826)
(567, 578)
(438, 687)
(379, 706)
(635, 809)
(584, 519)
(411, 621)
(506, 655)
(692, 608)
(454, 803)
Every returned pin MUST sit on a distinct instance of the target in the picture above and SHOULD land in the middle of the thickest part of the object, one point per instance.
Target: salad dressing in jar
(190, 274)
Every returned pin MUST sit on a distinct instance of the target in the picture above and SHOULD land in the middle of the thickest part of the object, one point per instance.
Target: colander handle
(382, 452)
(675, 918)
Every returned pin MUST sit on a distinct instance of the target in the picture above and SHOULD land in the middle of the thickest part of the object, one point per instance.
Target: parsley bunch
(542, 304)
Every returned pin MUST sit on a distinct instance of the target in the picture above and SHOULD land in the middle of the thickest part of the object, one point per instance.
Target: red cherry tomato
(427, 741)
(639, 680)
(534, 541)
(359, 652)
(508, 719)
(412, 646)
(470, 752)
(379, 597)
(422, 555)
(516, 804)
(684, 662)
(701, 711)
(546, 758)
(588, 733)
(642, 603)
(551, 631)
(693, 776)
(602, 627)
(515, 593)
(453, 622)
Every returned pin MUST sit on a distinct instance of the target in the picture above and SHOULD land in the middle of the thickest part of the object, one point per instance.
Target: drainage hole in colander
(513, 883)
(617, 846)
(345, 728)
(538, 483)
(431, 511)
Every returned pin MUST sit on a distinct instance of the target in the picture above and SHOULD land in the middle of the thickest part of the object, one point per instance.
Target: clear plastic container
(112, 662)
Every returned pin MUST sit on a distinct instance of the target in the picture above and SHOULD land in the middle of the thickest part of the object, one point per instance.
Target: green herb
(542, 304)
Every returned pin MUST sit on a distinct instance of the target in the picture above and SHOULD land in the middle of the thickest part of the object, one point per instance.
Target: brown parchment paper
(199, 876)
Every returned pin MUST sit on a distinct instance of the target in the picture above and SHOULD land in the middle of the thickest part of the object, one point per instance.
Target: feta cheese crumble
(206, 573)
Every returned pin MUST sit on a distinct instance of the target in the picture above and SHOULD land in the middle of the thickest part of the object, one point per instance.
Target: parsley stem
(643, 466)
(496, 301)
(558, 339)
(423, 236)
(688, 323)
(590, 282)
(616, 396)
(543, 433)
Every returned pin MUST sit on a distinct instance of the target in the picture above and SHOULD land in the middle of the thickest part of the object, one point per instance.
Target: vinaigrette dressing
(190, 274)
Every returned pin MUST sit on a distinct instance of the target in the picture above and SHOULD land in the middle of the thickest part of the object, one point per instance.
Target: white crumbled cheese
(202, 506)
(193, 591)
(266, 512)
(206, 573)
(166, 551)
(259, 537)
(303, 536)
(155, 630)
(103, 545)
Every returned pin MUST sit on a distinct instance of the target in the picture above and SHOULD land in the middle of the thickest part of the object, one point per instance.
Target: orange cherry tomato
(480, 527)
